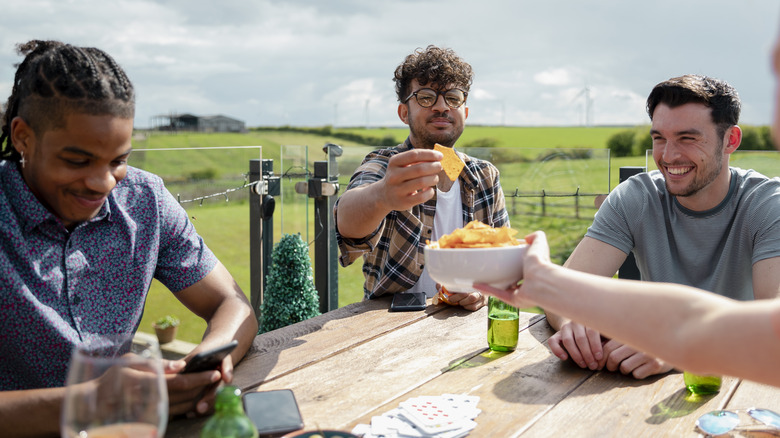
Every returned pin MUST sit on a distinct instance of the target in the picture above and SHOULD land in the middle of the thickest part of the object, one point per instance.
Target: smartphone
(273, 412)
(408, 301)
(209, 359)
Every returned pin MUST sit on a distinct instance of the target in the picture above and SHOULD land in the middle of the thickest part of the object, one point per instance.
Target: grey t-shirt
(713, 250)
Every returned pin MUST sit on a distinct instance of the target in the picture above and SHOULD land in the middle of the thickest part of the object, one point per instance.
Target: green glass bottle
(701, 384)
(229, 419)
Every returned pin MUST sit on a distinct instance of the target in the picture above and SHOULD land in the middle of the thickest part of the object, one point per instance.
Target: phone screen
(273, 411)
(209, 360)
(408, 301)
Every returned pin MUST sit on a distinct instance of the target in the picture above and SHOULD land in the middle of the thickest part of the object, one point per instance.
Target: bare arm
(573, 340)
(408, 181)
(766, 279)
(218, 300)
(33, 412)
(594, 257)
(687, 327)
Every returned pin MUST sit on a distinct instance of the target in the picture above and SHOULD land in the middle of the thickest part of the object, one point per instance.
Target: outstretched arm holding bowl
(687, 327)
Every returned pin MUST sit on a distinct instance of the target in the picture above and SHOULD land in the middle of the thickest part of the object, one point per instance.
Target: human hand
(537, 256)
(410, 179)
(580, 343)
(620, 357)
(191, 393)
(469, 301)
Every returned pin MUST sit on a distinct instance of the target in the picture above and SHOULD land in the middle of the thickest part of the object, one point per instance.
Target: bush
(487, 142)
(621, 144)
(644, 143)
(290, 295)
(766, 135)
(208, 173)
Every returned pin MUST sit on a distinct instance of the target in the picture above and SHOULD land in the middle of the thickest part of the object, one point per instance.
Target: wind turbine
(585, 92)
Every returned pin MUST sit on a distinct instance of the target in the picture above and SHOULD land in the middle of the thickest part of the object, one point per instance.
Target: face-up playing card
(463, 405)
(445, 416)
(432, 415)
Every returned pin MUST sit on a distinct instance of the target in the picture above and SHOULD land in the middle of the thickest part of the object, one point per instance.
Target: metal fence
(296, 192)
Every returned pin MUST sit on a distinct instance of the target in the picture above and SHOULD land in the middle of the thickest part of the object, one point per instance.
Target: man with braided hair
(82, 234)
(400, 197)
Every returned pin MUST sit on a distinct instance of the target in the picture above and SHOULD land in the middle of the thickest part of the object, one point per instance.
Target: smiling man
(82, 236)
(695, 221)
(399, 197)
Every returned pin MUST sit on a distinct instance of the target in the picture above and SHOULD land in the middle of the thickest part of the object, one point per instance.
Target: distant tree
(485, 142)
(766, 136)
(621, 144)
(751, 139)
(643, 143)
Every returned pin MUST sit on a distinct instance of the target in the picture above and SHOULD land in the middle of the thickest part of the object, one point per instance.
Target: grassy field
(531, 160)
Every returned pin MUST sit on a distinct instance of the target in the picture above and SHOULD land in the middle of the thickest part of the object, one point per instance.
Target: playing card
(432, 415)
(445, 416)
(401, 426)
(463, 405)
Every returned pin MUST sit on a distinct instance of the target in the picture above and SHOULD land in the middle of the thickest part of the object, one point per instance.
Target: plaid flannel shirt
(393, 258)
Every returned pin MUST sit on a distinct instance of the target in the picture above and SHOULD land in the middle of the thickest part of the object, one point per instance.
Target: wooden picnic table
(361, 360)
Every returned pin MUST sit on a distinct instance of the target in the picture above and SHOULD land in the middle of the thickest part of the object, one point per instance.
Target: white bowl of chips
(476, 253)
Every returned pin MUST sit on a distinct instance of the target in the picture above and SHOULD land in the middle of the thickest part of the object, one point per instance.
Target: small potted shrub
(165, 328)
(289, 296)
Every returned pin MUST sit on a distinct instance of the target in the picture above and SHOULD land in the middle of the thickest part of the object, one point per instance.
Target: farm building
(191, 122)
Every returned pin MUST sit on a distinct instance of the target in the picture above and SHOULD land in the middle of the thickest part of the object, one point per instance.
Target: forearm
(555, 320)
(360, 212)
(219, 300)
(630, 309)
(34, 412)
(676, 323)
(233, 319)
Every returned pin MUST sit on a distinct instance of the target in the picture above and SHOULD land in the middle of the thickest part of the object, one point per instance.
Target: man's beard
(701, 181)
(428, 138)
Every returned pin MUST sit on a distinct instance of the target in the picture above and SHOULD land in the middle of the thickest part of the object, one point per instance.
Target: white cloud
(555, 76)
(313, 63)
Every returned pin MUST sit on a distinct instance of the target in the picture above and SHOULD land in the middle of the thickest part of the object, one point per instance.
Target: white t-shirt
(448, 218)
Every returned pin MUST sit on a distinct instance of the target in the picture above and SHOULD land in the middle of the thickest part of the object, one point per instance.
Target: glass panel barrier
(764, 162)
(294, 215)
(212, 186)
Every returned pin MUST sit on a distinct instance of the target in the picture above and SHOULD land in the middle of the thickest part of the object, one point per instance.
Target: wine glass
(115, 388)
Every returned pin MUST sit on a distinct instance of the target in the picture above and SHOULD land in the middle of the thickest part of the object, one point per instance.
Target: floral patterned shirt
(58, 286)
(393, 257)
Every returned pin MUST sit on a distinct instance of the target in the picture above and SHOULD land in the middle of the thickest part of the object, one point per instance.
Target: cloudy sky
(329, 62)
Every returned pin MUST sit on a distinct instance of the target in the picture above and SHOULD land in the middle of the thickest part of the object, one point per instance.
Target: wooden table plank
(335, 391)
(331, 382)
(279, 352)
(361, 360)
(754, 395)
(612, 405)
(748, 395)
(514, 388)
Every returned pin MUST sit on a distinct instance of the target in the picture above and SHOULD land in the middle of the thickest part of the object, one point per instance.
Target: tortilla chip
(451, 163)
(478, 235)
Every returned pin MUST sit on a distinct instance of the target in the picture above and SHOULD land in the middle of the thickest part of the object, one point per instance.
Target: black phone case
(209, 360)
(407, 302)
(273, 412)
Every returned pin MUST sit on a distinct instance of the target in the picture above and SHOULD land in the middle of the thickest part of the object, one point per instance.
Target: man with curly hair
(400, 197)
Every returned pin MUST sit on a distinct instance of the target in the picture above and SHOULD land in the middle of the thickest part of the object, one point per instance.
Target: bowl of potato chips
(476, 253)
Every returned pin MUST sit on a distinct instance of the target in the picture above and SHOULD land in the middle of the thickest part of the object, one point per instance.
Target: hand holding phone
(209, 359)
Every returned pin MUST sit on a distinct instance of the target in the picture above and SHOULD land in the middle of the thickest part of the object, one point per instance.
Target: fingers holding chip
(451, 164)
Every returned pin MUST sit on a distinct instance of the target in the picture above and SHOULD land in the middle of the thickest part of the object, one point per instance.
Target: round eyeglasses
(427, 97)
(720, 422)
